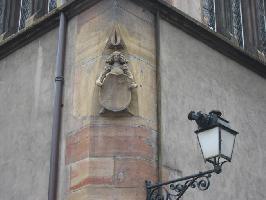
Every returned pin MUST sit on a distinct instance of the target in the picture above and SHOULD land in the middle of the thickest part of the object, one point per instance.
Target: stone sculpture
(116, 81)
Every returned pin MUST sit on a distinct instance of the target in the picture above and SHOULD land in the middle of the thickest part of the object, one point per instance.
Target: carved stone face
(116, 56)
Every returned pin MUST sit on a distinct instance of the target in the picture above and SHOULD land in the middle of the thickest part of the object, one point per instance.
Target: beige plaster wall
(26, 100)
(195, 77)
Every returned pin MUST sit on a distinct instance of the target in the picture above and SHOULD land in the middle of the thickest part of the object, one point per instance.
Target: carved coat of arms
(116, 81)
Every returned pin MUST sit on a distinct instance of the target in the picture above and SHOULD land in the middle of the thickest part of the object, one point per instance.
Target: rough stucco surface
(26, 90)
(195, 77)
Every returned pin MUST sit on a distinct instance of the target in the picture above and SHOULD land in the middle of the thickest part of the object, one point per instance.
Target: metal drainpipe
(57, 109)
(158, 86)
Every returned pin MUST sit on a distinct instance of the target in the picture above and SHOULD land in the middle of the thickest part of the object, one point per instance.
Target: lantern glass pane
(227, 143)
(209, 142)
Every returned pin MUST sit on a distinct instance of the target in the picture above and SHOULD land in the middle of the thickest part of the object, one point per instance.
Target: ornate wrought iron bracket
(175, 189)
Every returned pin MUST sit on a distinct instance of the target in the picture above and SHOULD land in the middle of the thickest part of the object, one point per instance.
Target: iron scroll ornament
(175, 189)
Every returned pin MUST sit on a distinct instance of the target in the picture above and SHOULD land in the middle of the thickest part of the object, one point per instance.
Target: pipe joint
(59, 78)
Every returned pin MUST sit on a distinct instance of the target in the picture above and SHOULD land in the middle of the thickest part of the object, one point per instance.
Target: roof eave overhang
(166, 12)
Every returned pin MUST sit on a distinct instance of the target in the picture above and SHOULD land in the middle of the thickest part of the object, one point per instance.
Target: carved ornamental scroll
(116, 81)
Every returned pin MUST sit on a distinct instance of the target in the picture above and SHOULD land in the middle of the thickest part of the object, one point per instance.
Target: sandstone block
(93, 31)
(91, 171)
(133, 172)
(92, 193)
(109, 141)
(77, 146)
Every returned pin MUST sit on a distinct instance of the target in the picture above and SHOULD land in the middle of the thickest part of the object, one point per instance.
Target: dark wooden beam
(199, 31)
(41, 26)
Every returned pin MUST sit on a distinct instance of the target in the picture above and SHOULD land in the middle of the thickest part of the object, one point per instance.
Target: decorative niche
(115, 82)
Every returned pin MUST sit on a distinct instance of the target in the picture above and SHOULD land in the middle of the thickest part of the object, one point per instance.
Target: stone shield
(115, 93)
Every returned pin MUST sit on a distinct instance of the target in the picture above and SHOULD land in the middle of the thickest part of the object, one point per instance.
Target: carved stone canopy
(116, 81)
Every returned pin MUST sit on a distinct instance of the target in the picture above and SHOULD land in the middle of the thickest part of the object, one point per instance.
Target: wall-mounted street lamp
(216, 140)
